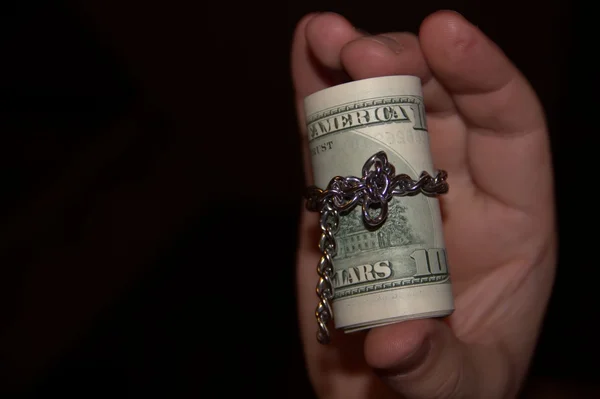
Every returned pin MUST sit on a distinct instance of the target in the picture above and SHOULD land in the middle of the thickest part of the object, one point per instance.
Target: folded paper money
(398, 271)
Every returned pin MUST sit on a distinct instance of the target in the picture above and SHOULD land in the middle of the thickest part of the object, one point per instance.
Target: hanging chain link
(378, 185)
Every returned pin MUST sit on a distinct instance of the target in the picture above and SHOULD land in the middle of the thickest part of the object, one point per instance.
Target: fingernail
(388, 42)
(362, 31)
(455, 12)
(409, 363)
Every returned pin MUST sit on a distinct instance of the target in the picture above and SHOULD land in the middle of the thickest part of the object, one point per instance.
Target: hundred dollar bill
(400, 270)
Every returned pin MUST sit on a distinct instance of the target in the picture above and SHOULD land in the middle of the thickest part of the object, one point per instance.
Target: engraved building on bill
(361, 241)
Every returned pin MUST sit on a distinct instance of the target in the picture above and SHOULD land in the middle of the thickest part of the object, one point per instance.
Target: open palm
(487, 130)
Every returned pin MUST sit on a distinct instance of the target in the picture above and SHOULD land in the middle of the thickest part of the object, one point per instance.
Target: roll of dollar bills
(398, 271)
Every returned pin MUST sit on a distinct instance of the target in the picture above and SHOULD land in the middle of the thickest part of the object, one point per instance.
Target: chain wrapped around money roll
(374, 190)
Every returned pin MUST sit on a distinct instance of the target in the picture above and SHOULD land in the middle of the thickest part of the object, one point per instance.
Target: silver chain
(375, 189)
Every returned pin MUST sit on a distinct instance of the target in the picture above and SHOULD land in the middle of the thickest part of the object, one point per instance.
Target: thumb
(499, 110)
(423, 359)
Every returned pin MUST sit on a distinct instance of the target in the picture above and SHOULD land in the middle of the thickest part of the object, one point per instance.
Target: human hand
(487, 130)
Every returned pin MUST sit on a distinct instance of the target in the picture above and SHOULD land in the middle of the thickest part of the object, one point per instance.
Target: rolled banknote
(398, 271)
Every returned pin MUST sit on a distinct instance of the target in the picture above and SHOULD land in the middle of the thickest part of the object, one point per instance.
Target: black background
(150, 174)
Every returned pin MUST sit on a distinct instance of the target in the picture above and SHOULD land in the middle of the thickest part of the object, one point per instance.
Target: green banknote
(400, 270)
